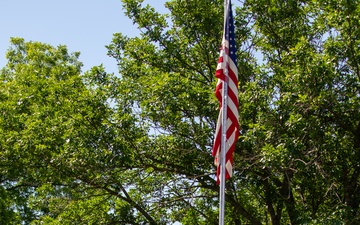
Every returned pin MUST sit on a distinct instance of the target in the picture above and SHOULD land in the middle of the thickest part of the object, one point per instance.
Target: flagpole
(224, 127)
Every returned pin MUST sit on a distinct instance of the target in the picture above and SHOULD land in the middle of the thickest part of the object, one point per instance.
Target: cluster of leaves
(94, 148)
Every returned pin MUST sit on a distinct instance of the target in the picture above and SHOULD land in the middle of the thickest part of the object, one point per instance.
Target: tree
(57, 137)
(94, 148)
(311, 121)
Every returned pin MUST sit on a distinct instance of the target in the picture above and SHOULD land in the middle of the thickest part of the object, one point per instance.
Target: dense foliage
(95, 148)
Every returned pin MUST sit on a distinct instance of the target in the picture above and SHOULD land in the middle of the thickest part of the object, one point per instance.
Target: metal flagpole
(224, 125)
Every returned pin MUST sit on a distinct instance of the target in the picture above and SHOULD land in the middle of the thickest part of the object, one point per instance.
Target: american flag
(228, 53)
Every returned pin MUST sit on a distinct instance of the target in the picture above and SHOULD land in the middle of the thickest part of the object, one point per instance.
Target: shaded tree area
(95, 148)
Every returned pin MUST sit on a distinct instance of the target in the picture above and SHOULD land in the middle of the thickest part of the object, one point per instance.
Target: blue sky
(82, 25)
